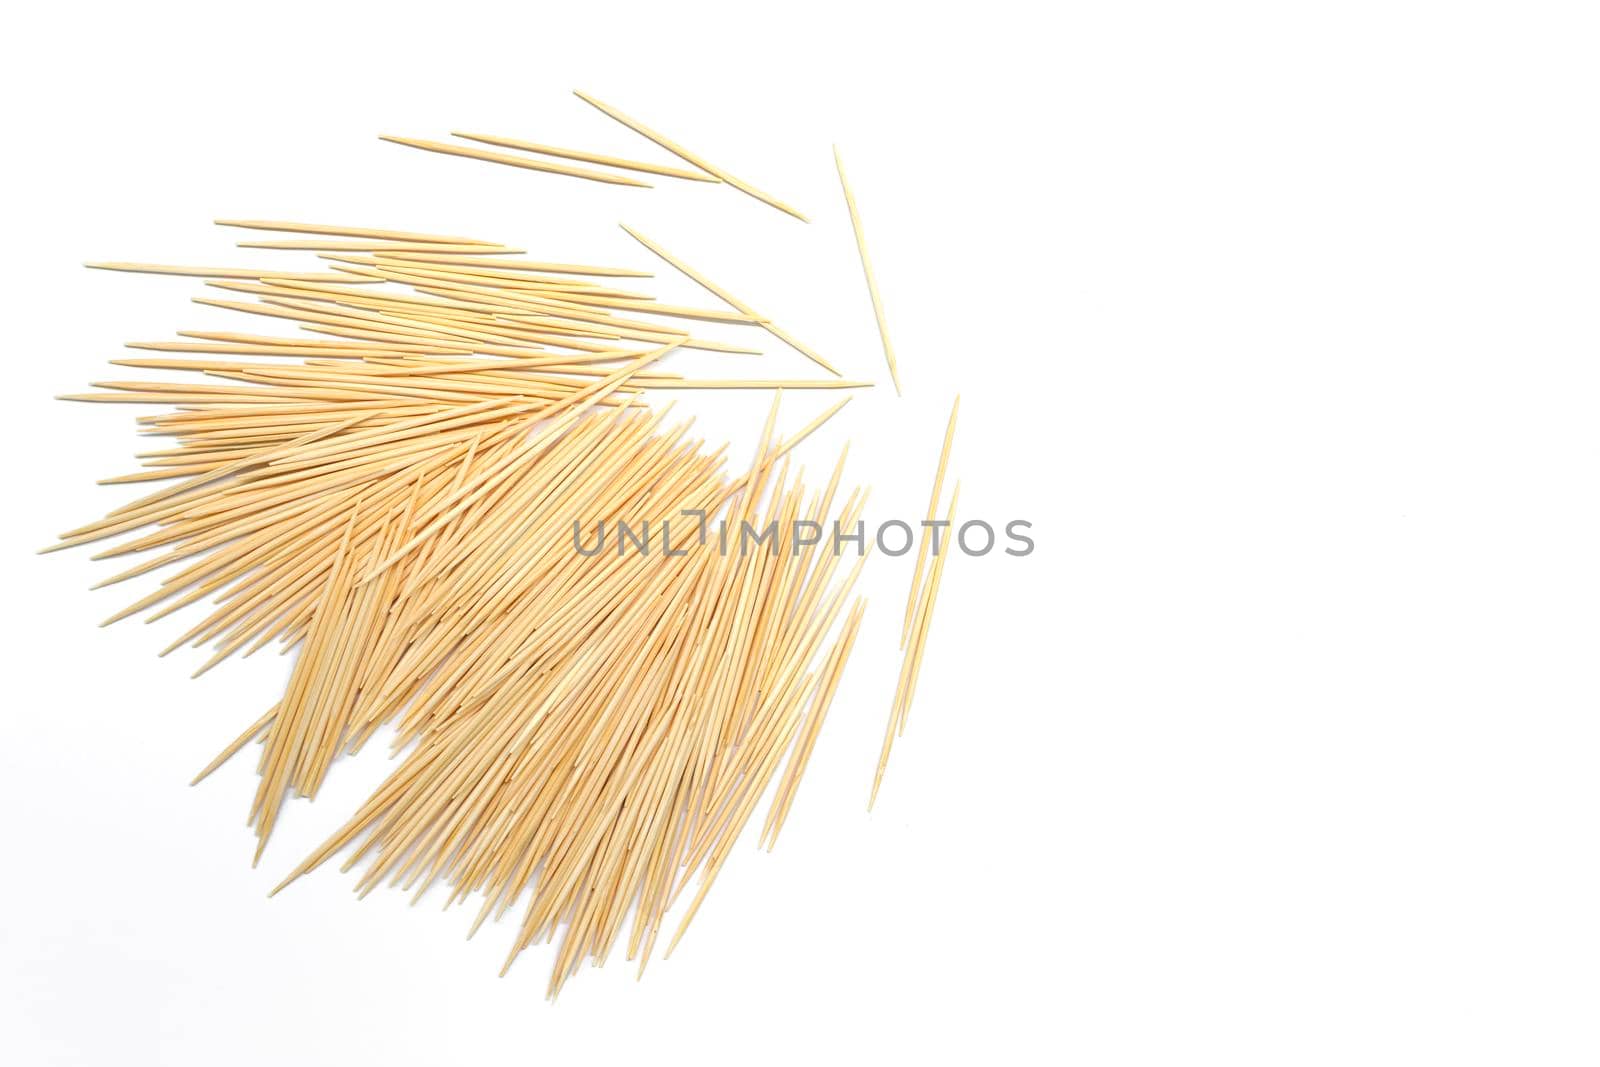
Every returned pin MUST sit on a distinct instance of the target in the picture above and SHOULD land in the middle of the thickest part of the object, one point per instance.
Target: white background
(1278, 321)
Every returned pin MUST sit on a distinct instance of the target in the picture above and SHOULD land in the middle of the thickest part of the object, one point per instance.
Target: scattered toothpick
(689, 157)
(516, 161)
(866, 266)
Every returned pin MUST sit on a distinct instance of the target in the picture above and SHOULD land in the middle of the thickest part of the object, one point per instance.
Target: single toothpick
(728, 298)
(866, 266)
(911, 661)
(933, 511)
(586, 157)
(233, 272)
(328, 230)
(515, 161)
(369, 245)
(689, 157)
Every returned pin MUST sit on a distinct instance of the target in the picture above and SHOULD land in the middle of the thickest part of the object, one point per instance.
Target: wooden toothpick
(866, 266)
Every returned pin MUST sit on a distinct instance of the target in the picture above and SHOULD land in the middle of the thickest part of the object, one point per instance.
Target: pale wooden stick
(586, 157)
(380, 246)
(933, 511)
(729, 299)
(230, 272)
(232, 749)
(810, 428)
(735, 383)
(348, 231)
(911, 661)
(297, 342)
(826, 688)
(689, 157)
(514, 264)
(515, 161)
(926, 622)
(866, 267)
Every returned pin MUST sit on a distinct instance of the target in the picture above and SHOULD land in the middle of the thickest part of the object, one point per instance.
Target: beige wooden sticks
(461, 514)
(442, 478)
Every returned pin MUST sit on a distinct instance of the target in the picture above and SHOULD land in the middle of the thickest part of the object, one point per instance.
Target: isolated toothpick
(866, 266)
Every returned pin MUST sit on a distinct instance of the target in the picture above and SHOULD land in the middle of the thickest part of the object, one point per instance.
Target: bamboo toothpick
(753, 383)
(586, 157)
(231, 272)
(933, 511)
(329, 230)
(827, 686)
(379, 246)
(728, 298)
(925, 621)
(866, 267)
(911, 661)
(689, 157)
(480, 264)
(515, 161)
